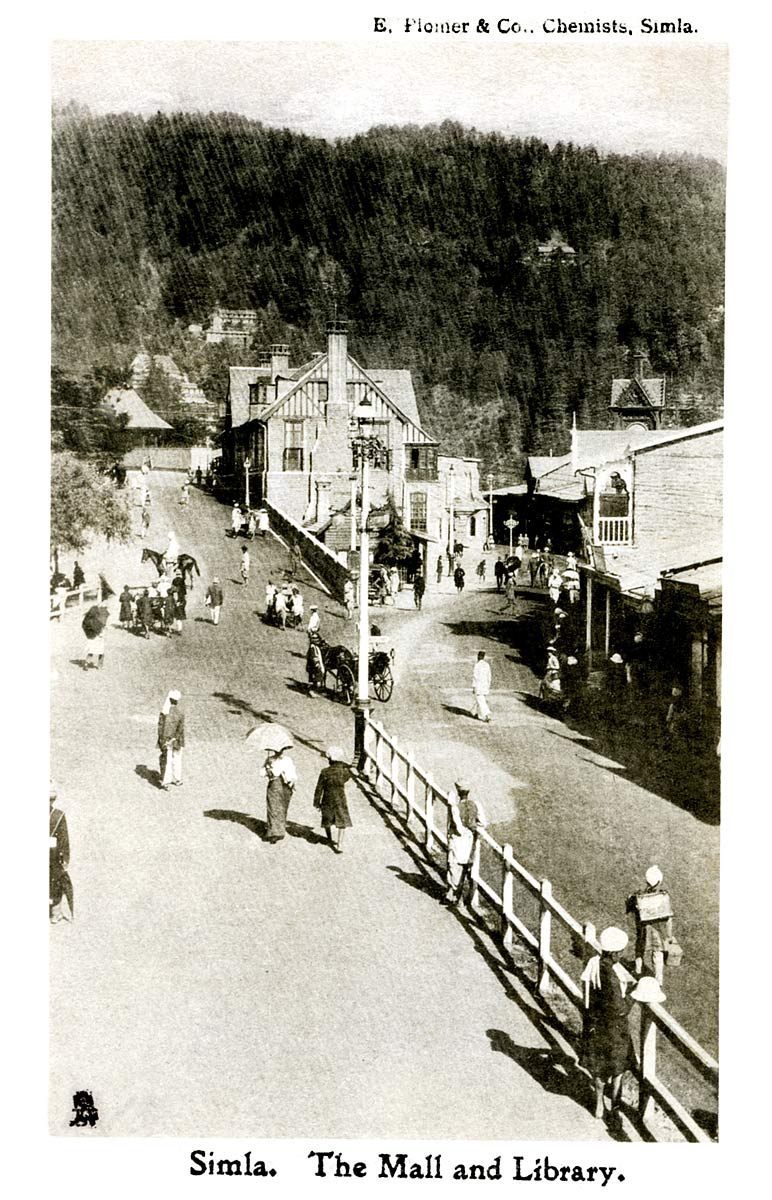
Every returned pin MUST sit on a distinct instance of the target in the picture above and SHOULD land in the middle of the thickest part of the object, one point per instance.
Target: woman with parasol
(274, 742)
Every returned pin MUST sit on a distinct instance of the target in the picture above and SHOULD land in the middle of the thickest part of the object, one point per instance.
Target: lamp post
(247, 465)
(366, 447)
(490, 510)
(353, 479)
(451, 521)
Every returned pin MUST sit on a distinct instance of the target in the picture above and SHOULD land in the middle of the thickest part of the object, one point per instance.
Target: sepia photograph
(386, 561)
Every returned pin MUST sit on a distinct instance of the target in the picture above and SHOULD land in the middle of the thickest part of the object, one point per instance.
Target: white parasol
(269, 737)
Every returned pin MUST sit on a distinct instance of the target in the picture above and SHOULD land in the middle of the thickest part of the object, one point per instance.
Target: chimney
(337, 351)
(279, 360)
(639, 358)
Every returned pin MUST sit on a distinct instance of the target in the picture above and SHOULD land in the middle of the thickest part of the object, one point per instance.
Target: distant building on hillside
(236, 326)
(189, 392)
(638, 403)
(555, 251)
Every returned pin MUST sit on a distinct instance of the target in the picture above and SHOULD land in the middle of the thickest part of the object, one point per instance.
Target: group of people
(161, 606)
(285, 606)
(249, 522)
(329, 795)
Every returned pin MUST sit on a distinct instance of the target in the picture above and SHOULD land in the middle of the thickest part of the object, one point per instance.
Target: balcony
(613, 531)
(420, 474)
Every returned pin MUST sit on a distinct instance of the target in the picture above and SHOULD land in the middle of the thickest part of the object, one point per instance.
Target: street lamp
(353, 477)
(490, 510)
(451, 522)
(247, 465)
(366, 447)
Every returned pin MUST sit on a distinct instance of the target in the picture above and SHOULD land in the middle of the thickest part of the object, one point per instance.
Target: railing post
(410, 787)
(474, 896)
(545, 934)
(368, 735)
(81, 590)
(393, 770)
(590, 935)
(648, 1067)
(507, 897)
(429, 814)
(378, 755)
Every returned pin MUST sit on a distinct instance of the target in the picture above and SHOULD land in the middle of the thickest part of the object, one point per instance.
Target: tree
(83, 504)
(79, 420)
(395, 545)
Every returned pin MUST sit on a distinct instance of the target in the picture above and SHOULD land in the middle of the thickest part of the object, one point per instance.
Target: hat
(215, 579)
(461, 785)
(314, 607)
(612, 939)
(335, 754)
(616, 658)
(175, 696)
(648, 991)
(653, 876)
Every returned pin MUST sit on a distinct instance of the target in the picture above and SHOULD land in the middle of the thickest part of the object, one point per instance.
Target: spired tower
(637, 403)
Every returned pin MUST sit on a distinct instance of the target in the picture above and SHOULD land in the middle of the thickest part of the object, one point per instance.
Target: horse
(186, 563)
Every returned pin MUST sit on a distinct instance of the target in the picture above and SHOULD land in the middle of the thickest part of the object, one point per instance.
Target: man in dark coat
(214, 600)
(171, 739)
(499, 570)
(58, 861)
(144, 613)
(419, 587)
(458, 579)
(330, 796)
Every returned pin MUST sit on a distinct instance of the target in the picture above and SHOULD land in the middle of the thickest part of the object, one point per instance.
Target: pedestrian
(179, 593)
(674, 717)
(125, 610)
(314, 665)
(59, 883)
(296, 606)
(236, 520)
(296, 560)
(607, 1047)
(439, 570)
(184, 495)
(270, 597)
(214, 600)
(348, 599)
(419, 587)
(144, 522)
(93, 625)
(282, 777)
(554, 584)
(171, 740)
(167, 610)
(499, 571)
(244, 565)
(280, 607)
(199, 476)
(653, 914)
(314, 621)
(466, 819)
(510, 593)
(144, 613)
(251, 525)
(262, 522)
(78, 578)
(481, 686)
(394, 583)
(458, 579)
(330, 797)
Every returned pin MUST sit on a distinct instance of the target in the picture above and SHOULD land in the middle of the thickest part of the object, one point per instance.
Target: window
(293, 446)
(472, 526)
(258, 393)
(421, 462)
(418, 511)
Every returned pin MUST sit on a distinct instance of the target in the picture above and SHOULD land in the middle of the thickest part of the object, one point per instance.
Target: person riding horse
(185, 563)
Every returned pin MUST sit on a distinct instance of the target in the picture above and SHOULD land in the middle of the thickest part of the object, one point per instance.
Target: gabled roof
(539, 465)
(597, 446)
(637, 393)
(126, 402)
(239, 381)
(667, 436)
(398, 385)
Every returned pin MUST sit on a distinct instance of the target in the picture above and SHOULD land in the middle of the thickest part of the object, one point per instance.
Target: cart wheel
(383, 683)
(344, 684)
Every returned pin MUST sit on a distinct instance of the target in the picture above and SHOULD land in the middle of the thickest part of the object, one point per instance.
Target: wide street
(213, 983)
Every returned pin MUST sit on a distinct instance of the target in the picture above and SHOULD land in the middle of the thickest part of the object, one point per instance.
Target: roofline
(679, 435)
(692, 566)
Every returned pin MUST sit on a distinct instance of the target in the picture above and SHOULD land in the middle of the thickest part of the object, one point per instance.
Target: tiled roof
(398, 386)
(126, 402)
(632, 393)
(239, 380)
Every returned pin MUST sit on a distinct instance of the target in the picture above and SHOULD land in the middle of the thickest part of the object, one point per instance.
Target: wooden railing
(411, 794)
(75, 598)
(613, 531)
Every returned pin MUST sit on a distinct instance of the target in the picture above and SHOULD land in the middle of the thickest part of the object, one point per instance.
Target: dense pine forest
(424, 238)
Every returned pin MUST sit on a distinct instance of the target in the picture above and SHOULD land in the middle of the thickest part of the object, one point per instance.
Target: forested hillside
(425, 238)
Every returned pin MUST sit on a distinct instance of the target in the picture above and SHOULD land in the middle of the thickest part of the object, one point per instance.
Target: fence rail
(413, 796)
(75, 598)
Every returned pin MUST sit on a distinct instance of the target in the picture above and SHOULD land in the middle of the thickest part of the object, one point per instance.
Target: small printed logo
(86, 1112)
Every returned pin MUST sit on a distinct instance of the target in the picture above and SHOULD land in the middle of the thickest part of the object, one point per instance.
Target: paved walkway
(219, 985)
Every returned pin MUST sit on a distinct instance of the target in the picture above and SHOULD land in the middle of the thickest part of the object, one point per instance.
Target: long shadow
(523, 632)
(148, 774)
(638, 750)
(259, 828)
(268, 715)
(306, 833)
(553, 1062)
(459, 712)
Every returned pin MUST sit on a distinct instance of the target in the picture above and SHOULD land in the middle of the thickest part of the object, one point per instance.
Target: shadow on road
(269, 714)
(254, 825)
(459, 712)
(148, 774)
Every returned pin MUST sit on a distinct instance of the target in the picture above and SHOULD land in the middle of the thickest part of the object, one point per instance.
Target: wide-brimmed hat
(612, 939)
(336, 754)
(616, 658)
(648, 991)
(653, 876)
